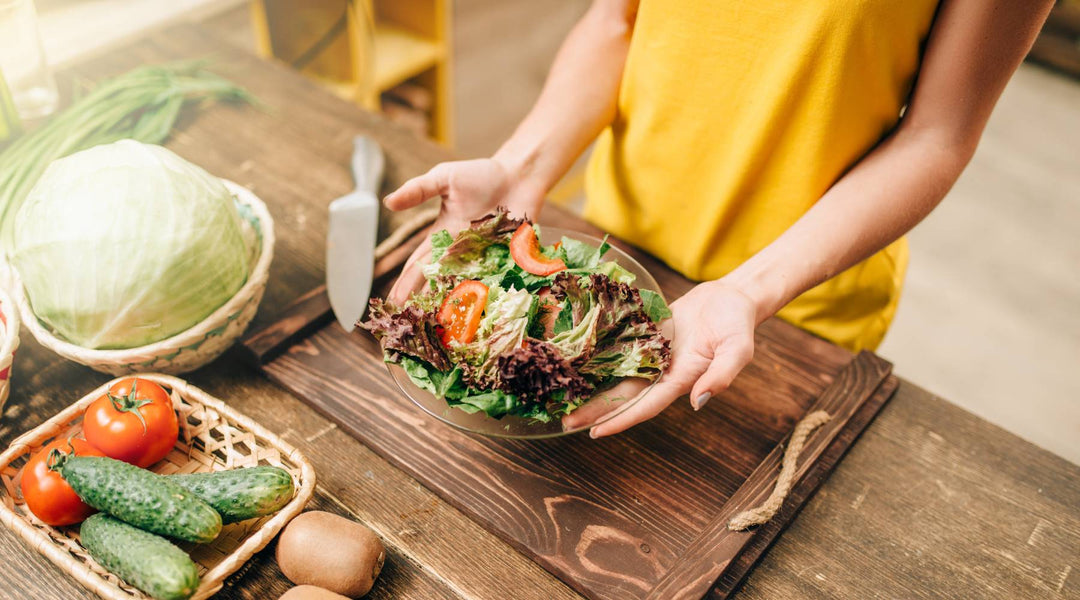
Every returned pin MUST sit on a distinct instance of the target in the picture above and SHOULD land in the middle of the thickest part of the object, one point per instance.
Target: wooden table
(932, 502)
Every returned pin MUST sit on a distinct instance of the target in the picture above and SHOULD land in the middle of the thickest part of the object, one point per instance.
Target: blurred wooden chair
(388, 55)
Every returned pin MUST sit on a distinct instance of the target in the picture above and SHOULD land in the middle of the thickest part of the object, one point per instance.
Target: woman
(775, 150)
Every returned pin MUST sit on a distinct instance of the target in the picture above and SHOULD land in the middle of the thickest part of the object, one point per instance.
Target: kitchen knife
(350, 241)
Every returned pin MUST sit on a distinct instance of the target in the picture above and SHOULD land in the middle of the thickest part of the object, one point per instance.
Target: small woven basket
(212, 437)
(194, 347)
(9, 342)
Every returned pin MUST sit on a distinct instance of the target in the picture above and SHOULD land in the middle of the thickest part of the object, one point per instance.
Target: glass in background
(22, 60)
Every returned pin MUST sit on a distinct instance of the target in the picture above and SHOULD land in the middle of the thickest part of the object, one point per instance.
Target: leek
(142, 104)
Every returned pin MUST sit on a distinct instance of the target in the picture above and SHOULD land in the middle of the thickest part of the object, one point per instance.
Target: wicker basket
(9, 341)
(194, 347)
(212, 437)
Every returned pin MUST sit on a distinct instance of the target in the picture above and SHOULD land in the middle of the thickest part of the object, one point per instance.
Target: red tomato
(133, 422)
(47, 495)
(525, 250)
(461, 311)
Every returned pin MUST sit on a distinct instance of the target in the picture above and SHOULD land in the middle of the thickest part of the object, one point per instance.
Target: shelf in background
(367, 52)
(399, 56)
(402, 54)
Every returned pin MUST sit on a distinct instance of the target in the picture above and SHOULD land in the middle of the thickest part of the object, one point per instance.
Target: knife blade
(351, 236)
(368, 164)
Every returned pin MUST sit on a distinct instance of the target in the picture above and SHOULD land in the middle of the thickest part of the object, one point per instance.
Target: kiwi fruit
(329, 551)
(310, 592)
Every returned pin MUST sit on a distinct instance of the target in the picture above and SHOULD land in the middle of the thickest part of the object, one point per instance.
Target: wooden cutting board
(639, 515)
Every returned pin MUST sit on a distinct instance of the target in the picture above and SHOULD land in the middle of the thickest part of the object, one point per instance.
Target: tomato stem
(130, 403)
(57, 458)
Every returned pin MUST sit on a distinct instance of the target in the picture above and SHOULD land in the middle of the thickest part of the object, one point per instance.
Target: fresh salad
(509, 327)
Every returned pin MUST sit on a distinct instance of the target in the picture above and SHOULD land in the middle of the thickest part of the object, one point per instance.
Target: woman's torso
(735, 117)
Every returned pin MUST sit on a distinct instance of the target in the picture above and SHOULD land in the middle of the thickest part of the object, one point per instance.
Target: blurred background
(990, 317)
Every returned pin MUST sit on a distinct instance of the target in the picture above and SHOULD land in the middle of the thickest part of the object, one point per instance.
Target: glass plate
(601, 407)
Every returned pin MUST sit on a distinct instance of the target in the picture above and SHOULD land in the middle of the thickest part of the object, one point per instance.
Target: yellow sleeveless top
(735, 117)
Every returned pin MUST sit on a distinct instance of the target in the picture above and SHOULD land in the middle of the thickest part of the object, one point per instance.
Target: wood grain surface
(931, 503)
(640, 515)
(293, 151)
(310, 312)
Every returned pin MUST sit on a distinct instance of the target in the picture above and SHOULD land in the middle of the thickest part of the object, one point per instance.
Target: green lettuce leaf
(536, 412)
(612, 269)
(441, 384)
(565, 318)
(654, 305)
(581, 255)
(440, 241)
(504, 306)
(579, 340)
(495, 403)
(480, 251)
(629, 357)
(503, 328)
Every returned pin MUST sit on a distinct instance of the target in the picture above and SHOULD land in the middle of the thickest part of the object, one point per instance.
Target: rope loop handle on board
(762, 514)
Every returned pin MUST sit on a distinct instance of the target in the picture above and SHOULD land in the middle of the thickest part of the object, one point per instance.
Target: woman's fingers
(725, 365)
(655, 400)
(435, 182)
(706, 379)
(685, 368)
(604, 402)
(589, 413)
(412, 277)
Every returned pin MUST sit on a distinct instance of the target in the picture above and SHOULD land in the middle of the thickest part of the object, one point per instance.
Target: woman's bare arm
(973, 50)
(577, 102)
(579, 98)
(974, 47)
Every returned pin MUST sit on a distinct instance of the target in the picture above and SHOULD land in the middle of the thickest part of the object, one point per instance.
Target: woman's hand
(470, 189)
(714, 340)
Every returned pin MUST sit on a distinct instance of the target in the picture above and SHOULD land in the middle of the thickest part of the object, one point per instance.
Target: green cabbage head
(126, 244)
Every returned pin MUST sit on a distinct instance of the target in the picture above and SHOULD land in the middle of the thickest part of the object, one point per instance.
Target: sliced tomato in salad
(461, 311)
(525, 250)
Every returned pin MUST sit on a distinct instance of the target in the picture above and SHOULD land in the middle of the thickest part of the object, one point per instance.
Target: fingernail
(701, 400)
(592, 433)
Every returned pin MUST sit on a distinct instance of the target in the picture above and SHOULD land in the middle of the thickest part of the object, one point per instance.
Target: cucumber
(144, 560)
(240, 494)
(139, 497)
